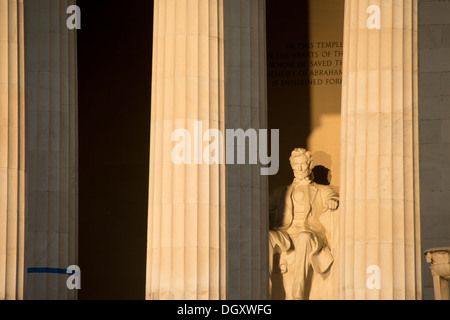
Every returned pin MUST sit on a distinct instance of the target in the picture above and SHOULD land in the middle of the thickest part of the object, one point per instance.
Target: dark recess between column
(114, 83)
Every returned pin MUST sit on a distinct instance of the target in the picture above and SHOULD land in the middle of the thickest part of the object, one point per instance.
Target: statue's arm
(330, 198)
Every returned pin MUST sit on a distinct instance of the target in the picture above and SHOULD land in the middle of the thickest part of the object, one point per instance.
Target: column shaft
(186, 224)
(207, 226)
(379, 150)
(247, 189)
(12, 145)
(51, 147)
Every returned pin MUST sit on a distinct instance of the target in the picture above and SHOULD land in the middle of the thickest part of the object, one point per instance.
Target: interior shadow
(114, 87)
(288, 68)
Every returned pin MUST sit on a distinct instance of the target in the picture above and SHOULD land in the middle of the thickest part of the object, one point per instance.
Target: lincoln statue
(297, 240)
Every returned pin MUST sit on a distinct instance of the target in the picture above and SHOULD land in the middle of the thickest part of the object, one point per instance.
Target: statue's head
(301, 163)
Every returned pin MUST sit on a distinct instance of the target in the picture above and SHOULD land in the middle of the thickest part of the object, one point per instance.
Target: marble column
(380, 226)
(51, 147)
(206, 230)
(12, 146)
(38, 148)
(247, 189)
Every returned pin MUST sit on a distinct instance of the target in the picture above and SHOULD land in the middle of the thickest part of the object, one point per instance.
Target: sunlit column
(207, 229)
(380, 227)
(12, 147)
(186, 222)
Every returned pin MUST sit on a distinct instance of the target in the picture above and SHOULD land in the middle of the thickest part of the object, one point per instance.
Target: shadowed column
(51, 147)
(38, 142)
(247, 189)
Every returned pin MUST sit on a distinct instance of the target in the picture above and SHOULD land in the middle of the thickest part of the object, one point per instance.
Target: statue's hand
(332, 204)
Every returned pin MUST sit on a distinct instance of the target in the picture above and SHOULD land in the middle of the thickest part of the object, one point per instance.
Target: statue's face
(300, 167)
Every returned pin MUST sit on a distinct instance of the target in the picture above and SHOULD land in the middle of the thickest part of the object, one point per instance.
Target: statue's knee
(302, 239)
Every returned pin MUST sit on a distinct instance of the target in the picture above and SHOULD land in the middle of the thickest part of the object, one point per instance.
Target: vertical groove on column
(344, 148)
(415, 110)
(214, 122)
(213, 275)
(354, 138)
(12, 184)
(348, 135)
(53, 152)
(373, 173)
(233, 204)
(362, 118)
(254, 174)
(263, 222)
(72, 134)
(408, 163)
(398, 155)
(63, 224)
(203, 97)
(167, 176)
(179, 189)
(154, 220)
(387, 291)
(223, 179)
(381, 195)
(169, 173)
(383, 180)
(22, 124)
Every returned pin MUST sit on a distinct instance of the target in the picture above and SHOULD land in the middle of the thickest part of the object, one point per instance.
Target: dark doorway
(114, 83)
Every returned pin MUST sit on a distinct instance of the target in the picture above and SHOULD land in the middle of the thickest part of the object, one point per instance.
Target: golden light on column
(380, 235)
(12, 147)
(185, 254)
(207, 226)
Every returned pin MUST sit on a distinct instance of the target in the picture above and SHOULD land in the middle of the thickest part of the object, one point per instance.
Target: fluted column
(247, 189)
(380, 227)
(12, 145)
(207, 71)
(51, 147)
(186, 220)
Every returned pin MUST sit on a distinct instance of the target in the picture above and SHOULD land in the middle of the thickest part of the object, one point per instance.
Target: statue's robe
(314, 204)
